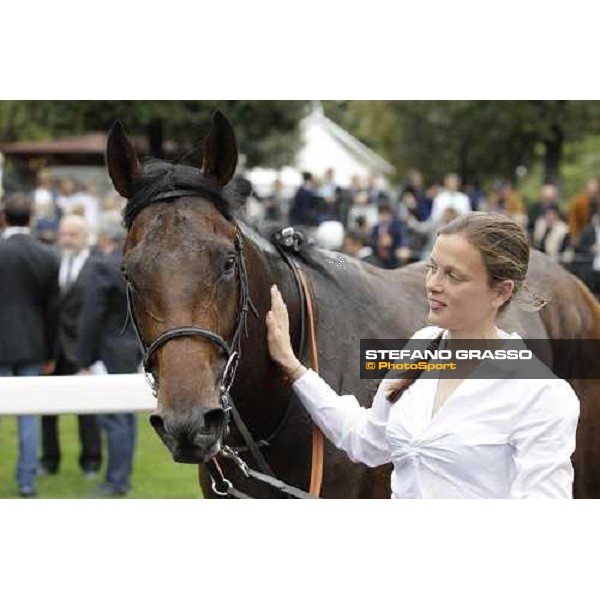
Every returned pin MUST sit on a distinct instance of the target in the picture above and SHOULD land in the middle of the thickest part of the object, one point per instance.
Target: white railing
(75, 394)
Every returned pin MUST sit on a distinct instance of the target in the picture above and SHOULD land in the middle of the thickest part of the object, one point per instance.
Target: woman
(452, 438)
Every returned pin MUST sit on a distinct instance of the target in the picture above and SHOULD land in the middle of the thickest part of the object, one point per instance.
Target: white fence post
(75, 394)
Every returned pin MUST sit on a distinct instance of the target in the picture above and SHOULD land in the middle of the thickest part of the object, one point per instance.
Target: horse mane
(308, 254)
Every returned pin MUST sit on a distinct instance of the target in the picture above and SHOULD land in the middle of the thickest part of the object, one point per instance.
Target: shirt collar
(10, 231)
(80, 256)
(83, 254)
(507, 366)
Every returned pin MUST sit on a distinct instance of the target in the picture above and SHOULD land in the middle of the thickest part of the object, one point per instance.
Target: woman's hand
(278, 333)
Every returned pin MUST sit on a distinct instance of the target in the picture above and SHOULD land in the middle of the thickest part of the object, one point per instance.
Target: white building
(324, 145)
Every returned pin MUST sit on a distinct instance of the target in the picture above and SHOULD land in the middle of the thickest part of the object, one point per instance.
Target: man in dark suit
(101, 339)
(29, 284)
(75, 264)
(389, 239)
(305, 205)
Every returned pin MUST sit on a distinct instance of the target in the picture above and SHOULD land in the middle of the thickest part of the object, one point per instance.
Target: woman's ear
(504, 291)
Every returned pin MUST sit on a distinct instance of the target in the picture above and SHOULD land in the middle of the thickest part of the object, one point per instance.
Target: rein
(318, 445)
(286, 239)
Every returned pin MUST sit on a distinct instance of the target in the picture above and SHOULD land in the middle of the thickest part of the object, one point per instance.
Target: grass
(155, 475)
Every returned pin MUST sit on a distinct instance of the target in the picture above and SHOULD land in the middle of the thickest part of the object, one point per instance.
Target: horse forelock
(161, 177)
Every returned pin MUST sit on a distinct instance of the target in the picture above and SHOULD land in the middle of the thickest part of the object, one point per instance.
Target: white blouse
(492, 438)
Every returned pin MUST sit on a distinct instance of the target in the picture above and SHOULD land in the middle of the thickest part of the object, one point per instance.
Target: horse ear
(220, 150)
(122, 160)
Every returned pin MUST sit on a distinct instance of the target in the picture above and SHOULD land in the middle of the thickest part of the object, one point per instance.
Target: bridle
(230, 350)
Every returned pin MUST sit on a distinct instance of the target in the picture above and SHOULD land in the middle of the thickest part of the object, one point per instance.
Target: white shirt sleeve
(543, 441)
(358, 431)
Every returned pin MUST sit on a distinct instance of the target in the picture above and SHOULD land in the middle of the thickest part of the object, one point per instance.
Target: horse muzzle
(192, 440)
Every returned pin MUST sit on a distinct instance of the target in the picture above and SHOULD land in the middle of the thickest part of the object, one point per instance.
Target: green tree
(267, 131)
(561, 121)
(478, 139)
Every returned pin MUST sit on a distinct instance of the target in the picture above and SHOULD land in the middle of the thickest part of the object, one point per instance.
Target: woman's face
(460, 297)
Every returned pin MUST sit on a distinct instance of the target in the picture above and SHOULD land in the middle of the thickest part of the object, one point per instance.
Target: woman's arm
(360, 432)
(544, 440)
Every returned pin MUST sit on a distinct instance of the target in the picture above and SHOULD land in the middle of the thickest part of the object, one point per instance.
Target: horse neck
(259, 390)
(266, 267)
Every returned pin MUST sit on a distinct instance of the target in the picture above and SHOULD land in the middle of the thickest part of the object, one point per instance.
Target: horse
(198, 276)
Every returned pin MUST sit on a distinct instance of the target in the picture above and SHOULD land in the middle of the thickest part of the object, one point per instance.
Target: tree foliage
(479, 139)
(267, 131)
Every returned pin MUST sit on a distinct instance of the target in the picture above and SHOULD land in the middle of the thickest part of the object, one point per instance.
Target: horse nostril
(157, 422)
(214, 419)
(197, 429)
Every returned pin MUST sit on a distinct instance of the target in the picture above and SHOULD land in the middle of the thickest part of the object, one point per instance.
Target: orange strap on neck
(316, 467)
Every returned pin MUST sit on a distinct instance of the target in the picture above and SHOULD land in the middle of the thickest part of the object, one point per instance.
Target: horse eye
(229, 264)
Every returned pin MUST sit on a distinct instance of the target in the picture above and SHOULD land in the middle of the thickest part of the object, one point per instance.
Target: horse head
(185, 273)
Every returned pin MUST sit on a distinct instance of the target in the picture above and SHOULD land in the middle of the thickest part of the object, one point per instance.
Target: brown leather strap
(318, 446)
(316, 467)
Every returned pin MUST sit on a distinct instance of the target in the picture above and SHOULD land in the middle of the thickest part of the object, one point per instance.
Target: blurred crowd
(54, 199)
(62, 312)
(390, 228)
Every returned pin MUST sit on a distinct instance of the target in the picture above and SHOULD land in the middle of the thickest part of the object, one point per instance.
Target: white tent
(324, 145)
